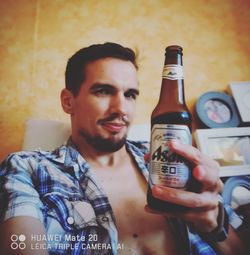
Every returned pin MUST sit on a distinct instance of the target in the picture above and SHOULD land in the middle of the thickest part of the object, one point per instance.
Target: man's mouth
(113, 127)
(114, 123)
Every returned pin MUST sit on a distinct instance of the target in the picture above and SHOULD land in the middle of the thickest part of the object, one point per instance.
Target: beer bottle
(170, 120)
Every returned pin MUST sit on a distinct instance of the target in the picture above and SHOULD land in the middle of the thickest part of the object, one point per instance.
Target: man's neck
(100, 158)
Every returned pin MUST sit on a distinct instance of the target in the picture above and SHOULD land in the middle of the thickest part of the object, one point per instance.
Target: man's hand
(203, 206)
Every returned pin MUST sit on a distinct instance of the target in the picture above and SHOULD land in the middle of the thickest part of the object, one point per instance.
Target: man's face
(105, 105)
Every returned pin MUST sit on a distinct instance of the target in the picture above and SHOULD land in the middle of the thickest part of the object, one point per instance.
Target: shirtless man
(89, 196)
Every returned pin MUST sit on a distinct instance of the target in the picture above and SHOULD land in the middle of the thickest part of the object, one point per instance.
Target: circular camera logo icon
(18, 242)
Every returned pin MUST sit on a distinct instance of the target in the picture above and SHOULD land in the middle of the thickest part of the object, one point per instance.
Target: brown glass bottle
(170, 120)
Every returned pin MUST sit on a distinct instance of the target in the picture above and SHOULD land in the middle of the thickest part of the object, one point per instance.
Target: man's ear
(67, 101)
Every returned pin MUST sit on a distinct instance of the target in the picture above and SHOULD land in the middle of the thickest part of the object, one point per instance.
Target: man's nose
(118, 104)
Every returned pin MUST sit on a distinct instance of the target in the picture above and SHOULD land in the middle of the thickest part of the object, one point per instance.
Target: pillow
(49, 134)
(45, 134)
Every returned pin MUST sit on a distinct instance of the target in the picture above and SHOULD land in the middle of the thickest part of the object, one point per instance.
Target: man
(88, 197)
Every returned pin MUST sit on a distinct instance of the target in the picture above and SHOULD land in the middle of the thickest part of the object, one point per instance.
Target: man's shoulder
(30, 157)
(23, 155)
(19, 156)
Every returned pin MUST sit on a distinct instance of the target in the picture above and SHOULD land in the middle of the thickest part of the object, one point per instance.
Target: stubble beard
(103, 144)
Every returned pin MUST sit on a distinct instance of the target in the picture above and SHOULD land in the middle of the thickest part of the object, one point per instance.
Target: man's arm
(204, 205)
(21, 207)
(16, 233)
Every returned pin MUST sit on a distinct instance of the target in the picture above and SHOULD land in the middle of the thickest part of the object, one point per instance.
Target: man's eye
(102, 92)
(131, 95)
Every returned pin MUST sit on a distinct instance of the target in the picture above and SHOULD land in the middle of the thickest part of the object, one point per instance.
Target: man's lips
(113, 126)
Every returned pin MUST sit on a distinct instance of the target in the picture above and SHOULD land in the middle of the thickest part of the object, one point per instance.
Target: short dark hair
(74, 74)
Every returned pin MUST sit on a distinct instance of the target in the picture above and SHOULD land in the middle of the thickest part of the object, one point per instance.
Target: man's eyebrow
(101, 86)
(98, 85)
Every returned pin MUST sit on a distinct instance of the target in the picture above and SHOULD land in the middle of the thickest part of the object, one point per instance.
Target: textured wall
(38, 36)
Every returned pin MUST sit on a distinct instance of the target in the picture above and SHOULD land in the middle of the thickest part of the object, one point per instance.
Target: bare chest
(140, 233)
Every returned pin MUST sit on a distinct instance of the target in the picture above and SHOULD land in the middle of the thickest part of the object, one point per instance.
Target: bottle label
(166, 167)
(173, 72)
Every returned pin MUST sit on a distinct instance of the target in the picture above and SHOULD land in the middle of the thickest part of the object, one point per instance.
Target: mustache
(114, 116)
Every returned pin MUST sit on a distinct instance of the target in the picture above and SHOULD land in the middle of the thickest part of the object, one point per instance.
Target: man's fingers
(204, 221)
(208, 177)
(185, 198)
(192, 154)
(205, 170)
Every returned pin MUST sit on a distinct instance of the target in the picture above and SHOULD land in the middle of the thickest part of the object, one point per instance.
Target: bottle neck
(172, 88)
(172, 92)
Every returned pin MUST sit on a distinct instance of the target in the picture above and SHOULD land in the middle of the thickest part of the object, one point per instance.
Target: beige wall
(38, 36)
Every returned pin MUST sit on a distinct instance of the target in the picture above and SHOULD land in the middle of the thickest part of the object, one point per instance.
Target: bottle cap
(173, 49)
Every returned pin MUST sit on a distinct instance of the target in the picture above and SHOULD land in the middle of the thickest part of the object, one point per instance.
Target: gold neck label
(173, 72)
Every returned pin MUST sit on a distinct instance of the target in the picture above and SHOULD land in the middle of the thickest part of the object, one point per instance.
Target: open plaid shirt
(60, 190)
